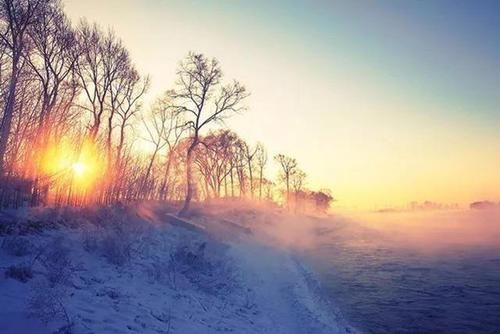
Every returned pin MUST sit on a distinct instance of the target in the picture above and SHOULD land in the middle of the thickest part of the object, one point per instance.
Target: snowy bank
(137, 269)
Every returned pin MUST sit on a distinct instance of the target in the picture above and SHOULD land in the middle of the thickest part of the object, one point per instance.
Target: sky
(383, 102)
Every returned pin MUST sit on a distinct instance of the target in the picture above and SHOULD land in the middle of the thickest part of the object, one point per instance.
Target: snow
(142, 270)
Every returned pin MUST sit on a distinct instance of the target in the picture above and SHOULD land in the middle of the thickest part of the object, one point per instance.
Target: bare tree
(261, 160)
(131, 92)
(239, 165)
(23, 131)
(125, 98)
(172, 136)
(297, 180)
(163, 126)
(155, 126)
(249, 156)
(213, 159)
(288, 167)
(16, 17)
(202, 98)
(52, 60)
(322, 200)
(102, 58)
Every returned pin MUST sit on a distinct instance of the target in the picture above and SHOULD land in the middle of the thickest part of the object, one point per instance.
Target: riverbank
(134, 269)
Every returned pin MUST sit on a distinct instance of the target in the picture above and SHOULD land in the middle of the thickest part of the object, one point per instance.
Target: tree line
(73, 115)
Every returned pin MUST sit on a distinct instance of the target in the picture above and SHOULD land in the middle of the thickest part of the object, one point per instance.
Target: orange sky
(378, 129)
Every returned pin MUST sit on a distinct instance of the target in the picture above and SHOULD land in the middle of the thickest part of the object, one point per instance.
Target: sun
(78, 168)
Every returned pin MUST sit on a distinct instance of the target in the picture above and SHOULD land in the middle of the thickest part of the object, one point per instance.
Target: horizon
(393, 103)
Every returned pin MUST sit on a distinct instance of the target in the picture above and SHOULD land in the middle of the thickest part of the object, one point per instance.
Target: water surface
(432, 272)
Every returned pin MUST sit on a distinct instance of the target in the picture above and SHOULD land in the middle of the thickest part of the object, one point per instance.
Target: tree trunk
(8, 112)
(250, 174)
(189, 178)
(232, 183)
(148, 171)
(241, 180)
(225, 186)
(207, 190)
(109, 139)
(260, 184)
(165, 185)
(288, 191)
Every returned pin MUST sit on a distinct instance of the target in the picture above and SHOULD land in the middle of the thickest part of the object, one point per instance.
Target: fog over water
(413, 272)
(434, 232)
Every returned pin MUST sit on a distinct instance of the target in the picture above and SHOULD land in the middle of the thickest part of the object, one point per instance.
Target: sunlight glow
(78, 168)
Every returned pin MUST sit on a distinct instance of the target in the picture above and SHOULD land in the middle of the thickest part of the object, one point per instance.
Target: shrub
(57, 263)
(163, 271)
(66, 329)
(156, 270)
(17, 246)
(47, 297)
(20, 272)
(116, 247)
(213, 275)
(109, 292)
(90, 239)
(114, 239)
(46, 304)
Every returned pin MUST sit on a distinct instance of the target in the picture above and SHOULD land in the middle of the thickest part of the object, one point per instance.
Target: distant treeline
(481, 205)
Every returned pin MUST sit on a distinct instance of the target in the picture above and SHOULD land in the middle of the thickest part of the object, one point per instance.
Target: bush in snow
(158, 270)
(56, 261)
(112, 293)
(249, 302)
(114, 235)
(164, 270)
(17, 246)
(47, 296)
(121, 236)
(47, 304)
(90, 239)
(116, 247)
(19, 272)
(213, 275)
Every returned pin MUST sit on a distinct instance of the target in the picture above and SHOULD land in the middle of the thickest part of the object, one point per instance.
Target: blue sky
(446, 51)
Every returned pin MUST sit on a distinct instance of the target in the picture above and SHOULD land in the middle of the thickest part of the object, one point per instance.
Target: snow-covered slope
(121, 270)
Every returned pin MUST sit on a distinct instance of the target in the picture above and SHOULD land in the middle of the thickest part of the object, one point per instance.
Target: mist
(436, 231)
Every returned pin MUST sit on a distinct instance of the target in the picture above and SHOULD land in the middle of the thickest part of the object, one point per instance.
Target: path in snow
(280, 290)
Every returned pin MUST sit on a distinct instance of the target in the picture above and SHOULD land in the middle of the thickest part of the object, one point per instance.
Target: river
(419, 272)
